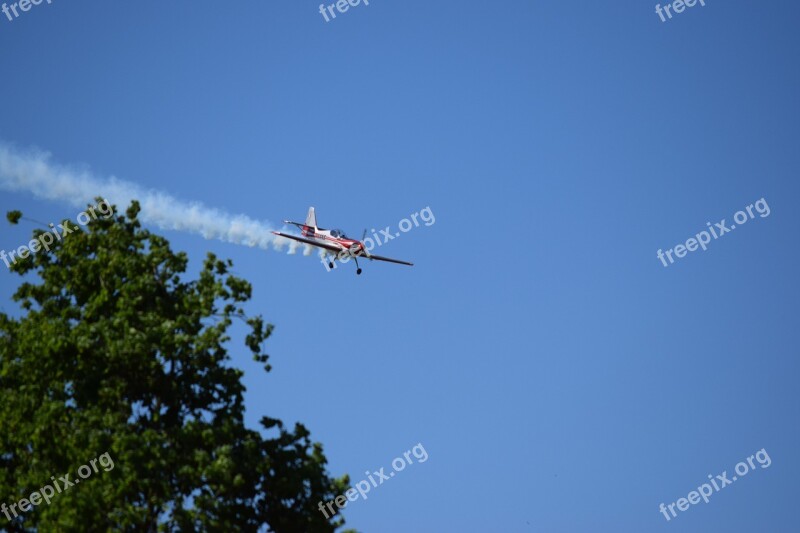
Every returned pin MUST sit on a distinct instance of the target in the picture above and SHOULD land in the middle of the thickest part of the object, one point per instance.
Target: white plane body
(334, 242)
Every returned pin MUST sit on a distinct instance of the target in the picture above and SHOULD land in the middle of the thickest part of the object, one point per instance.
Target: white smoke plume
(32, 171)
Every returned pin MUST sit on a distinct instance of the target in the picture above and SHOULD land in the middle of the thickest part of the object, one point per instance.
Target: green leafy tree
(116, 352)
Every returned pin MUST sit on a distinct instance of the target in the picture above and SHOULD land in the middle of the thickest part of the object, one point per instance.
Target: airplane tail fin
(311, 219)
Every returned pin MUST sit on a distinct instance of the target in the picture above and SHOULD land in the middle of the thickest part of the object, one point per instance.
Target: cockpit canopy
(338, 234)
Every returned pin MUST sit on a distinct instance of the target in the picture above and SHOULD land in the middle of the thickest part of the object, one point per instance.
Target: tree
(116, 353)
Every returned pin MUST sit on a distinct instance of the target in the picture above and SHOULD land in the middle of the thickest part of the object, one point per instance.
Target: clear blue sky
(560, 378)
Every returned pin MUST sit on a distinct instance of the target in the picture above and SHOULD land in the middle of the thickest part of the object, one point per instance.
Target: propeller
(364, 236)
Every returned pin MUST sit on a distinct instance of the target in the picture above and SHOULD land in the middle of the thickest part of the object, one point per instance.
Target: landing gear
(358, 271)
(330, 265)
(358, 268)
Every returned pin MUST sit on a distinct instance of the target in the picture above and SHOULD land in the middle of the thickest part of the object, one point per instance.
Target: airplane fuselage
(333, 242)
(331, 237)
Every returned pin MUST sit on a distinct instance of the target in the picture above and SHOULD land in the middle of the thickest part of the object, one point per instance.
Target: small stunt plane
(334, 242)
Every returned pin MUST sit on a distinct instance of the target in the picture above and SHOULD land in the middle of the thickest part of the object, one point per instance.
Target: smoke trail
(32, 171)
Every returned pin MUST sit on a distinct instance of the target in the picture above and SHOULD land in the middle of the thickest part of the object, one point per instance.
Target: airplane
(334, 242)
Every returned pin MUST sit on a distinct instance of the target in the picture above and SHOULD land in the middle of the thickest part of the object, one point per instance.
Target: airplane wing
(337, 249)
(309, 241)
(388, 259)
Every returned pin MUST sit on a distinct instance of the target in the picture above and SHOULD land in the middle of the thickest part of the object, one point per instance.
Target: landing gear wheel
(358, 271)
(330, 264)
